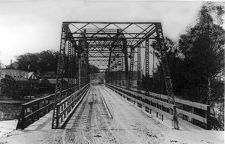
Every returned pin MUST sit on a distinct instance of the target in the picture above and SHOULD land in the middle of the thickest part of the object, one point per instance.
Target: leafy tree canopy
(38, 62)
(198, 57)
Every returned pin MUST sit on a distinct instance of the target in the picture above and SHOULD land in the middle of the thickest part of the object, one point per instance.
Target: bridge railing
(35, 109)
(68, 105)
(193, 112)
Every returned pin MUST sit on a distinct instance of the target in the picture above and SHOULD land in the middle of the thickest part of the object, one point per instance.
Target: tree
(28, 62)
(93, 69)
(42, 62)
(175, 60)
(203, 48)
(8, 87)
(197, 61)
(38, 62)
(47, 61)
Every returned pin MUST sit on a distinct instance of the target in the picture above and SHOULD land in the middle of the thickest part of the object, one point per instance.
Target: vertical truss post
(122, 71)
(110, 75)
(59, 78)
(82, 66)
(131, 66)
(69, 63)
(166, 73)
(74, 64)
(118, 71)
(124, 50)
(86, 70)
(109, 65)
(114, 70)
(106, 76)
(83, 60)
(139, 66)
(153, 62)
(116, 62)
(79, 66)
(147, 57)
(126, 68)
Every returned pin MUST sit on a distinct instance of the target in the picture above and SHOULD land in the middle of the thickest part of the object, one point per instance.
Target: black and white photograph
(112, 71)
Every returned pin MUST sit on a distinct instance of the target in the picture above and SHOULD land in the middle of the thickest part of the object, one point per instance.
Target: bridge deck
(105, 117)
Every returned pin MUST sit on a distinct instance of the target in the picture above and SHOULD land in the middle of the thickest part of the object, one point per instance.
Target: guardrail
(68, 105)
(33, 110)
(193, 112)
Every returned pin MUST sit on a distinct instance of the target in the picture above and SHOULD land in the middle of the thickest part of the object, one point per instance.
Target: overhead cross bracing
(100, 36)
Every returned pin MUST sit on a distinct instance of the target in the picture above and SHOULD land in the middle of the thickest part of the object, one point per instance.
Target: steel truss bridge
(122, 51)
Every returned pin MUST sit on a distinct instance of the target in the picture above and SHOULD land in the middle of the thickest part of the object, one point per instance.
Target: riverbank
(10, 109)
(7, 126)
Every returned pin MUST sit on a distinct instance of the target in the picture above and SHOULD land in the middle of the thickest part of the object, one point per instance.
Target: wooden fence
(193, 112)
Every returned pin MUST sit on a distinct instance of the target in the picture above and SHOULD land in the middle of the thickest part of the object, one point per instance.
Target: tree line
(195, 61)
(41, 63)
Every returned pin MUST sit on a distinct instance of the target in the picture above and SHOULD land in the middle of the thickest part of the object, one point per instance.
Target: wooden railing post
(57, 113)
(67, 106)
(159, 104)
(208, 126)
(33, 110)
(38, 114)
(21, 122)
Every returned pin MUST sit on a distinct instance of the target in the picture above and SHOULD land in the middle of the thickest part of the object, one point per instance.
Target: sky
(35, 25)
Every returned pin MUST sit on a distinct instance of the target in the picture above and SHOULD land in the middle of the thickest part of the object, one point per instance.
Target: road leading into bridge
(104, 117)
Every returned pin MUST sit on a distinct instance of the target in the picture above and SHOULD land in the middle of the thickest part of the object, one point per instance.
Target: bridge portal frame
(89, 37)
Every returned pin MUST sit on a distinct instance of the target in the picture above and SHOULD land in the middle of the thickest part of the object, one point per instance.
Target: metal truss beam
(110, 39)
(147, 57)
(111, 43)
(69, 22)
(166, 73)
(139, 67)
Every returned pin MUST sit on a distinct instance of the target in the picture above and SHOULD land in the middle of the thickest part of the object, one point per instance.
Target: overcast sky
(35, 25)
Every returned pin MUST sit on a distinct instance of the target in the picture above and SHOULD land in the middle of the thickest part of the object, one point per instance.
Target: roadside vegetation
(196, 63)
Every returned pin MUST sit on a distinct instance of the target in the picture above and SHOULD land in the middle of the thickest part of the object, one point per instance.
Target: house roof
(30, 74)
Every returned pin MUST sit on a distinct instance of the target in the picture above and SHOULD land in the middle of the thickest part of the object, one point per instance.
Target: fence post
(57, 113)
(208, 126)
(21, 121)
(38, 114)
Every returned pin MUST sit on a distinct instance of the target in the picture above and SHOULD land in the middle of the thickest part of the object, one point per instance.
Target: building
(33, 76)
(18, 75)
(17, 79)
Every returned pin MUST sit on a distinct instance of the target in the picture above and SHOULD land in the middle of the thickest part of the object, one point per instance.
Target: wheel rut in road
(90, 122)
(104, 117)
